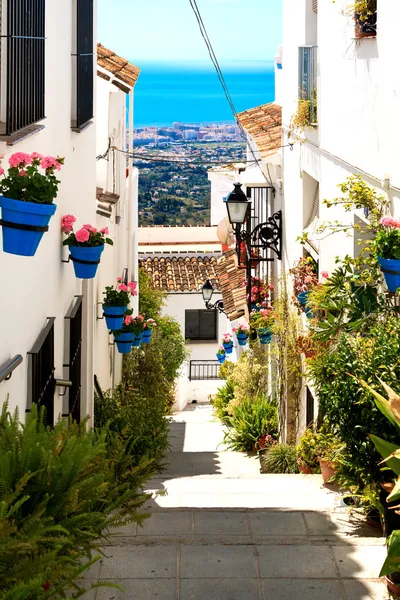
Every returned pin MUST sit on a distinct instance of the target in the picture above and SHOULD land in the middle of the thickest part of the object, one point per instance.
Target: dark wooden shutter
(208, 319)
(192, 324)
(84, 66)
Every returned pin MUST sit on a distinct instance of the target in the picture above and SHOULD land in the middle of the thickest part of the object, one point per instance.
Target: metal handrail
(6, 370)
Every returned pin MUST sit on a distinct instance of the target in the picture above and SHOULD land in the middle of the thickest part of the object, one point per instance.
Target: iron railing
(41, 382)
(6, 370)
(84, 62)
(25, 63)
(74, 316)
(200, 370)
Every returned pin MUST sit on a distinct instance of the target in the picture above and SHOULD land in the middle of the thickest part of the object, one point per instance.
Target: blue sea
(192, 93)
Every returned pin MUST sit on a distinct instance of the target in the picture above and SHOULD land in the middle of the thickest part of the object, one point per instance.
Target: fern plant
(250, 420)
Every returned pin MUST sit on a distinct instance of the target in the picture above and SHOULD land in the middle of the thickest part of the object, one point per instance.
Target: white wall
(34, 288)
(358, 105)
(111, 176)
(186, 391)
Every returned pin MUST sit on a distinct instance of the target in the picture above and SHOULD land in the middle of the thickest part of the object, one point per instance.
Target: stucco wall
(34, 288)
(186, 390)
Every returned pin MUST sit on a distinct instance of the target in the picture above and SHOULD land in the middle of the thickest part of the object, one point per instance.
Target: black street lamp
(237, 205)
(207, 291)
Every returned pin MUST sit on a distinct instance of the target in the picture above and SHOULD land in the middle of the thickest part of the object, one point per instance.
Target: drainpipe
(132, 208)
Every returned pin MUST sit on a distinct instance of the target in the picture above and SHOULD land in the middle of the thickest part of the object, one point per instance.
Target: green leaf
(395, 493)
(383, 405)
(385, 449)
(392, 562)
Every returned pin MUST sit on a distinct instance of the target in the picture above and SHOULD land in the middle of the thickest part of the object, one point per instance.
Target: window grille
(308, 78)
(84, 63)
(74, 345)
(201, 325)
(41, 371)
(23, 64)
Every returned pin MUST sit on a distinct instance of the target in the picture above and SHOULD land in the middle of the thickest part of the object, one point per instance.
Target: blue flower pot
(86, 260)
(242, 338)
(24, 241)
(302, 298)
(264, 335)
(124, 342)
(391, 270)
(253, 306)
(114, 316)
(146, 336)
(228, 347)
(221, 358)
(136, 340)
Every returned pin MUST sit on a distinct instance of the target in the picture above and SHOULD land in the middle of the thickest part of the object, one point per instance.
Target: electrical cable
(221, 78)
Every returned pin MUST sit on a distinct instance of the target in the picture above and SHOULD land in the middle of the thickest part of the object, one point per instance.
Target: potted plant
(307, 457)
(263, 444)
(365, 16)
(227, 343)
(304, 279)
(259, 293)
(147, 332)
(387, 246)
(116, 301)
(26, 201)
(262, 322)
(221, 355)
(328, 449)
(242, 333)
(305, 345)
(254, 256)
(85, 246)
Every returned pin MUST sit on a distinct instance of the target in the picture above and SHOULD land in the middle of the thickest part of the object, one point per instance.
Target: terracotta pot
(304, 468)
(394, 588)
(309, 354)
(327, 469)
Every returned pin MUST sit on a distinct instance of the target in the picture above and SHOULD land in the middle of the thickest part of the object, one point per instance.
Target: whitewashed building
(117, 196)
(180, 260)
(49, 331)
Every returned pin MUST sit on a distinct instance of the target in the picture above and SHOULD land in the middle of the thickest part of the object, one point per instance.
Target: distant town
(173, 163)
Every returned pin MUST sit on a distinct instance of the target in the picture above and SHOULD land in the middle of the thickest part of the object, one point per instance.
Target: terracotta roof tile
(264, 124)
(125, 71)
(180, 273)
(231, 283)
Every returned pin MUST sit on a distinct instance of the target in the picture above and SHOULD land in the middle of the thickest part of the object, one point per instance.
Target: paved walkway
(223, 531)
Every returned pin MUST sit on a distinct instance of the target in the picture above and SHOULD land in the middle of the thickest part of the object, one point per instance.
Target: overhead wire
(221, 78)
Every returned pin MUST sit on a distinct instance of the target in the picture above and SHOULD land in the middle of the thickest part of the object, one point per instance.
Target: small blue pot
(242, 338)
(24, 242)
(228, 347)
(114, 316)
(265, 335)
(136, 340)
(253, 306)
(90, 257)
(302, 298)
(391, 270)
(124, 342)
(221, 358)
(146, 336)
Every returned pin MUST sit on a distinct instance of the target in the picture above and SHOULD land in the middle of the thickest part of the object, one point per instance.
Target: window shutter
(84, 62)
(192, 324)
(208, 325)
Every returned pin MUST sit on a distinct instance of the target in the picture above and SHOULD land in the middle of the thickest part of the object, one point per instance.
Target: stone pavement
(222, 531)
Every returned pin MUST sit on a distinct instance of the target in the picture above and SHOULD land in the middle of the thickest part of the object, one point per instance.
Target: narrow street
(222, 531)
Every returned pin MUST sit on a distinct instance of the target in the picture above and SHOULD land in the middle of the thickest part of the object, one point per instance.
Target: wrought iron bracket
(218, 305)
(66, 261)
(265, 236)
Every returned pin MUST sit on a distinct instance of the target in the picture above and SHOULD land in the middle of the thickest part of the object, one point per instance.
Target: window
(308, 83)
(201, 325)
(22, 64)
(73, 337)
(41, 371)
(84, 56)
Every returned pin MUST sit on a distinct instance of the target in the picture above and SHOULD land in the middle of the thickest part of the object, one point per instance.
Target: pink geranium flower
(119, 278)
(123, 288)
(388, 222)
(82, 235)
(67, 222)
(1, 171)
(104, 230)
(128, 319)
(324, 274)
(22, 173)
(19, 159)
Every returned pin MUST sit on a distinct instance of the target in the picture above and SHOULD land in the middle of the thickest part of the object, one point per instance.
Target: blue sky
(166, 30)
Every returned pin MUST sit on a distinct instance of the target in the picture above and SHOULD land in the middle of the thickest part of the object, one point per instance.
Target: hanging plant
(221, 355)
(116, 301)
(305, 278)
(26, 201)
(242, 333)
(147, 332)
(85, 246)
(387, 245)
(227, 343)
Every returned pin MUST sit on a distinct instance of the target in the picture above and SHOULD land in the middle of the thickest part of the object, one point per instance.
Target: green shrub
(151, 299)
(307, 449)
(62, 489)
(221, 401)
(281, 458)
(347, 408)
(251, 419)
